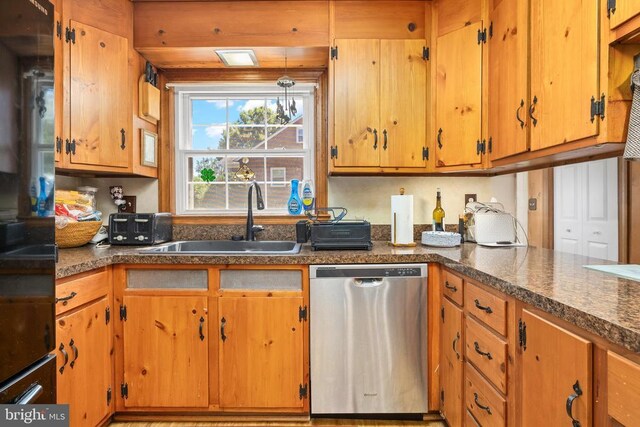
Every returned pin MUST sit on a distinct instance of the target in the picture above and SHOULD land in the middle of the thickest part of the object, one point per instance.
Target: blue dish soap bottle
(42, 198)
(294, 205)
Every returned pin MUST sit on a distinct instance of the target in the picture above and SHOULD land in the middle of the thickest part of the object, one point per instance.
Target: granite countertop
(555, 282)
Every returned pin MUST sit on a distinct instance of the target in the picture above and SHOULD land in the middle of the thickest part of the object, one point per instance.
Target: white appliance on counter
(489, 224)
(368, 333)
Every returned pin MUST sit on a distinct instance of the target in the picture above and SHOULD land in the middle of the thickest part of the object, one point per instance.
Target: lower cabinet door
(83, 350)
(166, 352)
(261, 352)
(451, 363)
(556, 375)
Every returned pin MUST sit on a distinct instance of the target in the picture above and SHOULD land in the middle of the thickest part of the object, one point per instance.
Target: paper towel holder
(395, 224)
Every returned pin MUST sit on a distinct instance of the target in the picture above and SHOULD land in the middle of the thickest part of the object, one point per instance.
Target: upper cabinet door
(564, 71)
(459, 97)
(558, 362)
(58, 66)
(508, 100)
(357, 103)
(403, 94)
(624, 10)
(99, 97)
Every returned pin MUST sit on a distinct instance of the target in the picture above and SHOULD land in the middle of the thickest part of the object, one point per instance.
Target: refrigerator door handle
(31, 395)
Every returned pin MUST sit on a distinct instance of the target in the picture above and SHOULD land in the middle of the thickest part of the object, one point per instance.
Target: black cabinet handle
(123, 138)
(518, 113)
(384, 134)
(201, 328)
(375, 139)
(577, 393)
(67, 298)
(480, 352)
(450, 287)
(455, 342)
(223, 323)
(439, 138)
(75, 353)
(484, 408)
(66, 357)
(486, 309)
(532, 109)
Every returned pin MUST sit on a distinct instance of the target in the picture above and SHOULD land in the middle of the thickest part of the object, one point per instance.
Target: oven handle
(31, 395)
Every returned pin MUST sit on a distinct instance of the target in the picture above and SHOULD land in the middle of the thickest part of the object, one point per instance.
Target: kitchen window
(219, 125)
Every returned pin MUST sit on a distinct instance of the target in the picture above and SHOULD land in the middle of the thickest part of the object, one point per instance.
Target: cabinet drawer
(487, 352)
(624, 389)
(481, 399)
(82, 290)
(453, 287)
(489, 308)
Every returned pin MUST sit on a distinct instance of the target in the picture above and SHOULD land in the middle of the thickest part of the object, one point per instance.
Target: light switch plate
(533, 204)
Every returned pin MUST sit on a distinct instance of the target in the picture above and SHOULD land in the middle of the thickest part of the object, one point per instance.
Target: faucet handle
(257, 228)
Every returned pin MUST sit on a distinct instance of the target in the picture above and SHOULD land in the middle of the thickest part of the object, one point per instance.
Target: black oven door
(33, 385)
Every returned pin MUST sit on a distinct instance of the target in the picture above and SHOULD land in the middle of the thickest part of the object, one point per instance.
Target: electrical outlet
(129, 206)
(473, 197)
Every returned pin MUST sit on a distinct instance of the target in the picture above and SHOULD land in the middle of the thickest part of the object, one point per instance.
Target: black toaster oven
(140, 228)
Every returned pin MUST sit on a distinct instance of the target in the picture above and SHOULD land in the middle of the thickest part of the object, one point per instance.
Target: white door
(586, 209)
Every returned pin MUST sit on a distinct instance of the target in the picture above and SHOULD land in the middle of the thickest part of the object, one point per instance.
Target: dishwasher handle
(368, 282)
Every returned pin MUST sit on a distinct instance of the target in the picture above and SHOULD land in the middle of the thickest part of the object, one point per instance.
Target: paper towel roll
(402, 220)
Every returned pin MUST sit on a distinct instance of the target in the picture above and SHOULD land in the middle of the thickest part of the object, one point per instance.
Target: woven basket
(77, 233)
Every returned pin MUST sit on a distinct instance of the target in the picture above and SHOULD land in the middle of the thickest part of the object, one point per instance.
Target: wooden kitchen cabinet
(508, 78)
(623, 389)
(379, 105)
(458, 117)
(261, 352)
(623, 11)
(556, 374)
(58, 87)
(451, 363)
(165, 351)
(84, 343)
(564, 69)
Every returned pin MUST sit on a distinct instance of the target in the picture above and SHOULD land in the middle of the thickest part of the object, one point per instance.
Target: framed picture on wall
(149, 142)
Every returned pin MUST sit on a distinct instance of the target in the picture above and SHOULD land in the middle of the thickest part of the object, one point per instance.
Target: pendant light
(287, 109)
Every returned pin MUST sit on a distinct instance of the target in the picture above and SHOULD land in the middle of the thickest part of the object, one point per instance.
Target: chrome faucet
(253, 229)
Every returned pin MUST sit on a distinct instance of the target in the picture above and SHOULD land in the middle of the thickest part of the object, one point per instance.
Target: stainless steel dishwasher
(368, 339)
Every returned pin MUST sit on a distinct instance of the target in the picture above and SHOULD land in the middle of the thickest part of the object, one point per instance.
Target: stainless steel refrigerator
(27, 240)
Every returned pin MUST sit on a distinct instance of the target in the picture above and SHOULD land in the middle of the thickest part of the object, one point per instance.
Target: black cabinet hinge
(425, 53)
(123, 312)
(491, 29)
(107, 315)
(490, 145)
(59, 29)
(522, 334)
(123, 138)
(72, 147)
(334, 52)
(302, 313)
(425, 153)
(334, 152)
(481, 147)
(109, 396)
(597, 108)
(124, 390)
(70, 35)
(442, 314)
(303, 391)
(58, 144)
(442, 395)
(611, 7)
(482, 36)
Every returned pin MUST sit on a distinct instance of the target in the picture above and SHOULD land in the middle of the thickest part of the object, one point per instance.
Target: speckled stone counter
(552, 281)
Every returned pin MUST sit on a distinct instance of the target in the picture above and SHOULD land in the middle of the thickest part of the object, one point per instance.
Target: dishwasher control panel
(369, 271)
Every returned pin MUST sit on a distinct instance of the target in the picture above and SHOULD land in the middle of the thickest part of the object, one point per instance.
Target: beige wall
(370, 197)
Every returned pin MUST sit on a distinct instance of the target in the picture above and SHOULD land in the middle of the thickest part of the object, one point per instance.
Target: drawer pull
(450, 287)
(66, 357)
(201, 328)
(480, 352)
(484, 408)
(223, 323)
(455, 342)
(75, 352)
(67, 298)
(570, 399)
(486, 309)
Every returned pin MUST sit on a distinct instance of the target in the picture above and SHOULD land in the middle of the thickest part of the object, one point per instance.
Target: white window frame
(275, 183)
(186, 92)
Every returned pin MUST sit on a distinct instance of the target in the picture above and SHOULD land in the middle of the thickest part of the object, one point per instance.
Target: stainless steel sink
(203, 247)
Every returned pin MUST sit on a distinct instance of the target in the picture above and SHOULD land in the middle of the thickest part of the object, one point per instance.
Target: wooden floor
(314, 422)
